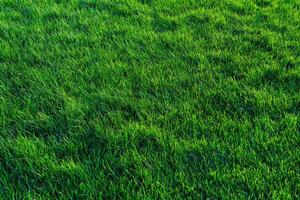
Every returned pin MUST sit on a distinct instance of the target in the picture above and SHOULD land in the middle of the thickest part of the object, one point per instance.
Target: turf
(149, 99)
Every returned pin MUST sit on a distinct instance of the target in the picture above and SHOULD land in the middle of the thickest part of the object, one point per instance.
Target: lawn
(149, 99)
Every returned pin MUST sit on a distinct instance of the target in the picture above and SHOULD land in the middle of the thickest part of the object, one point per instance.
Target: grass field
(149, 99)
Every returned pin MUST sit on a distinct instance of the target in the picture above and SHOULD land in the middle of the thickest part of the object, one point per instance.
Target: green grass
(149, 99)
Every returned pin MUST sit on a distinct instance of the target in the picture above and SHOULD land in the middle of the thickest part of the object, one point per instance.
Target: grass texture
(149, 99)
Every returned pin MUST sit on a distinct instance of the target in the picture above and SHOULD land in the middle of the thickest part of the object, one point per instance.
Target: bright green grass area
(149, 99)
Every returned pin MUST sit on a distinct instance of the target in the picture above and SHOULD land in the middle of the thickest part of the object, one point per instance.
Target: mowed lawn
(149, 99)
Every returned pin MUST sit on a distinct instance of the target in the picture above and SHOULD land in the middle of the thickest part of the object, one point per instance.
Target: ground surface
(145, 99)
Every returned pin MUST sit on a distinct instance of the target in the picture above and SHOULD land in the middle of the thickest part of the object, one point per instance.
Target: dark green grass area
(149, 99)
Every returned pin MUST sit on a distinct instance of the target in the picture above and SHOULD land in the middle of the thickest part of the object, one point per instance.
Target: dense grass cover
(149, 99)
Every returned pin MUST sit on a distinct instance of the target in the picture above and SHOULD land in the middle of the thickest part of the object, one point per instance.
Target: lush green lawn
(149, 99)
